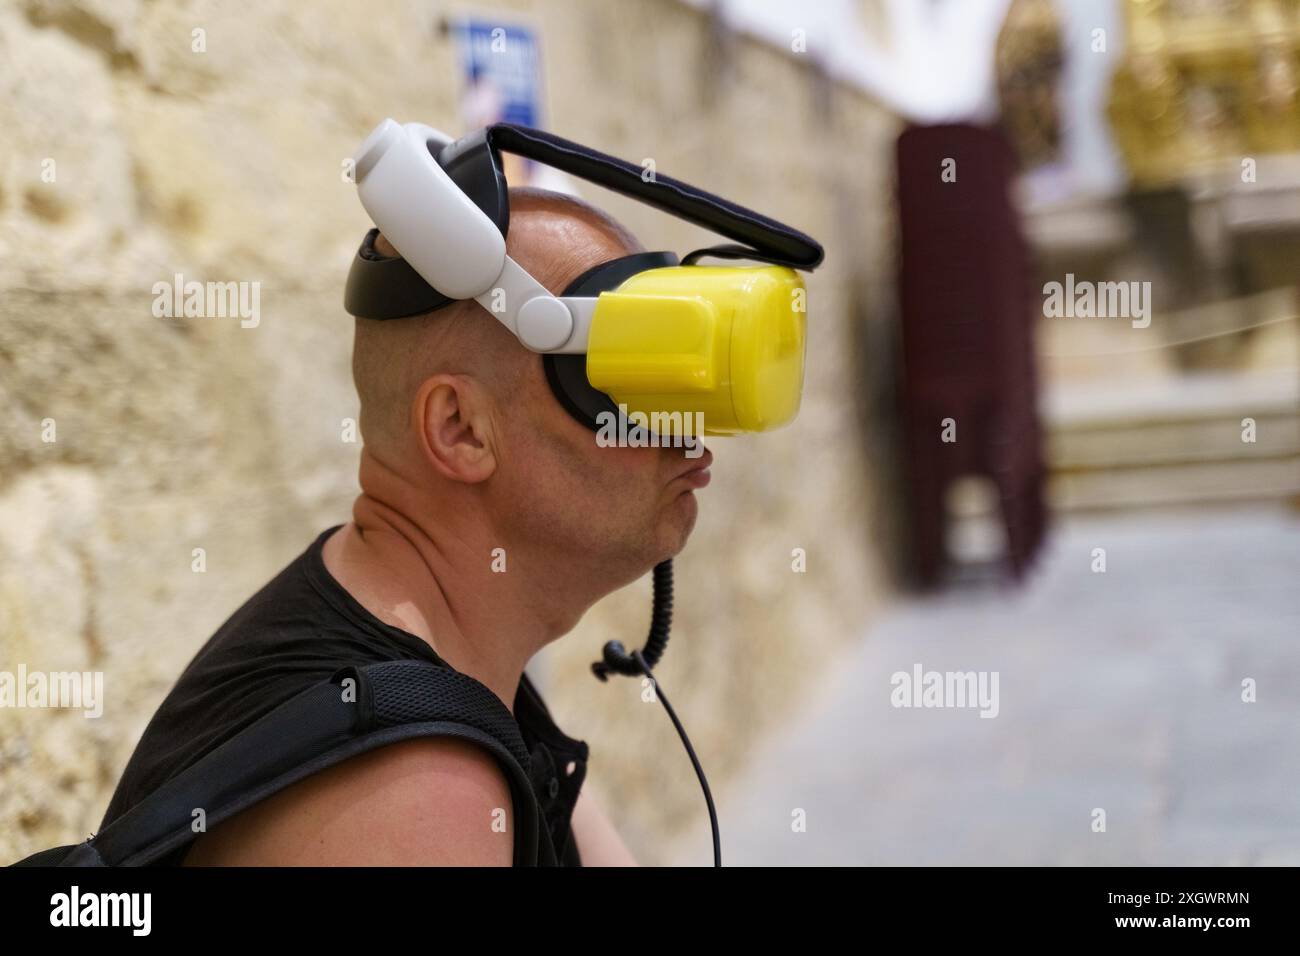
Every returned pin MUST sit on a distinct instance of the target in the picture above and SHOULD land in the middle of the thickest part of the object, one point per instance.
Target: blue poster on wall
(502, 73)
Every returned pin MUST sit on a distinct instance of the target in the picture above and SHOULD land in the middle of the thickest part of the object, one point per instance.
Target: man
(465, 452)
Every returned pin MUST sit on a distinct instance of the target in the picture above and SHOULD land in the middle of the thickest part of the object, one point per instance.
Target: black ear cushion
(567, 374)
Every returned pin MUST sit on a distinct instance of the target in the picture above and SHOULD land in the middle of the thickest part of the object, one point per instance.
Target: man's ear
(455, 428)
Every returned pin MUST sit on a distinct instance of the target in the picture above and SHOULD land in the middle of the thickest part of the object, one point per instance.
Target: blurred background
(1051, 426)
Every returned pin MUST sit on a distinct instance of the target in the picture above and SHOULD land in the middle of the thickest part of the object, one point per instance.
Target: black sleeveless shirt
(296, 632)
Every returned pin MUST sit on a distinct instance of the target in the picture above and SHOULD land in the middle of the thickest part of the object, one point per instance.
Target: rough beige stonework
(173, 435)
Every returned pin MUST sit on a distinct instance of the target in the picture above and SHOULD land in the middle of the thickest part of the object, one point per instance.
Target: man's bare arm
(426, 802)
(598, 842)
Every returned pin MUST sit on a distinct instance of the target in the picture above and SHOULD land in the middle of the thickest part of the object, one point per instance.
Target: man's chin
(678, 523)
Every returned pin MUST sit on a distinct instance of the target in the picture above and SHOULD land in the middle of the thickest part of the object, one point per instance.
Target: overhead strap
(776, 241)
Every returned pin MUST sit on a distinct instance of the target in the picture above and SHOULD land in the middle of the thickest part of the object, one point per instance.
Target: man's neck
(437, 578)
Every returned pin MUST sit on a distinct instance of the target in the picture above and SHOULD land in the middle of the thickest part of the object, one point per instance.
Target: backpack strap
(356, 710)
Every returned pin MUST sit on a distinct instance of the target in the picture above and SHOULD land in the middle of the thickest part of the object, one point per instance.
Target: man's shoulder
(429, 801)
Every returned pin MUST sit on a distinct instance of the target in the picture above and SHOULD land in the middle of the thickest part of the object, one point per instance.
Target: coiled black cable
(617, 660)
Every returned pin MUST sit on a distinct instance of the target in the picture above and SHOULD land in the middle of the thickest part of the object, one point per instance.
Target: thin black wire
(690, 751)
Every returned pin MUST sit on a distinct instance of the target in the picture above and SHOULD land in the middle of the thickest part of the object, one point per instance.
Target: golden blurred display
(1204, 84)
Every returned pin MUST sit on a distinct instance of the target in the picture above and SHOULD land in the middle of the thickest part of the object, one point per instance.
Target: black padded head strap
(387, 287)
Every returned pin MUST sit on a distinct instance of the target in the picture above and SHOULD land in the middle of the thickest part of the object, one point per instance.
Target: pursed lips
(698, 473)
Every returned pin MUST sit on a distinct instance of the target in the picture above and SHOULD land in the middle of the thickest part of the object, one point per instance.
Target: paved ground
(1119, 691)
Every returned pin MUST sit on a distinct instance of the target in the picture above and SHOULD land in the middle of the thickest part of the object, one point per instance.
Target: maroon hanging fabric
(967, 303)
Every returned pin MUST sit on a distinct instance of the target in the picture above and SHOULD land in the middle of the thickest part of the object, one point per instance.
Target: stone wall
(172, 435)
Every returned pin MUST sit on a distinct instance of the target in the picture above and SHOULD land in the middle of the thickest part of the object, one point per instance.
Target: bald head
(554, 237)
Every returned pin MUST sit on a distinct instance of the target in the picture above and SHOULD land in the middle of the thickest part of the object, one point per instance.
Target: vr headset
(641, 337)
